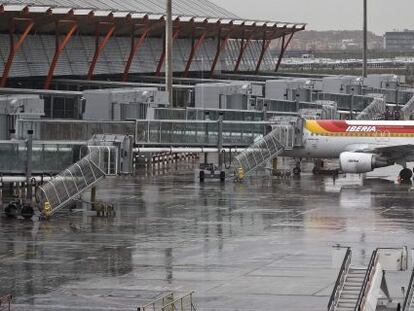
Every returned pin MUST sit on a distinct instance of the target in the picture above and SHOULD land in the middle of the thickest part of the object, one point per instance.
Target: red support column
(14, 46)
(220, 47)
(193, 52)
(100, 46)
(162, 57)
(60, 46)
(265, 46)
(135, 45)
(283, 49)
(244, 44)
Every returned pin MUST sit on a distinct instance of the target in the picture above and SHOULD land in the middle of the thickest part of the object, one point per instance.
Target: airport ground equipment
(283, 137)
(409, 297)
(358, 288)
(375, 111)
(211, 171)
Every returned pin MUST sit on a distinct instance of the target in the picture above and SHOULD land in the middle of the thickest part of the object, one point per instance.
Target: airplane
(360, 146)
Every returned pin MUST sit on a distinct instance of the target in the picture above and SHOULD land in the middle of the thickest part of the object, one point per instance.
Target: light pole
(365, 44)
(169, 58)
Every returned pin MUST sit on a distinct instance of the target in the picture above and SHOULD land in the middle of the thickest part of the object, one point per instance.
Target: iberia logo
(361, 128)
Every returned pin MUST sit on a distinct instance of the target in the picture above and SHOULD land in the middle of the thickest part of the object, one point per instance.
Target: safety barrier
(409, 297)
(362, 298)
(340, 281)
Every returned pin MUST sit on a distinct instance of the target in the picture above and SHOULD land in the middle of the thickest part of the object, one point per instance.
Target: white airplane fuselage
(330, 138)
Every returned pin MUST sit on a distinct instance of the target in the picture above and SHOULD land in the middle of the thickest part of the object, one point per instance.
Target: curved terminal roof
(192, 18)
(180, 7)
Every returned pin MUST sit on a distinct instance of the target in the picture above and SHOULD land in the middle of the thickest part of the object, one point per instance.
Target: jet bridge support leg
(274, 166)
(93, 198)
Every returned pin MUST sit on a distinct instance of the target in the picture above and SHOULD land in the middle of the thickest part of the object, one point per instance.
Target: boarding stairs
(409, 298)
(283, 137)
(69, 185)
(105, 155)
(354, 280)
(358, 288)
(170, 302)
(408, 110)
(375, 110)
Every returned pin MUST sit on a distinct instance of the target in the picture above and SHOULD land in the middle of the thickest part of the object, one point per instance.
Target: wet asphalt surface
(265, 244)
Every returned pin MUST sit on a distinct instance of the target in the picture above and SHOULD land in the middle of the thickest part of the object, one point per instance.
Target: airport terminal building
(50, 38)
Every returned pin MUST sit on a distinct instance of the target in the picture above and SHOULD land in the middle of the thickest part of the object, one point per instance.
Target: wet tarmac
(265, 244)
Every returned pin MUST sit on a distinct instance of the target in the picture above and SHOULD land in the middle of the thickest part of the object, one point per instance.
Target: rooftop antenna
(169, 58)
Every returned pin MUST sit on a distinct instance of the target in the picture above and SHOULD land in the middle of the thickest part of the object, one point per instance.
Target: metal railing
(410, 294)
(157, 303)
(184, 303)
(5, 302)
(281, 138)
(375, 110)
(408, 110)
(367, 281)
(79, 177)
(333, 300)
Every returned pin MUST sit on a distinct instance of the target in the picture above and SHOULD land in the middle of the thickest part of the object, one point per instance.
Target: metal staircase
(349, 295)
(283, 137)
(374, 111)
(408, 110)
(353, 285)
(67, 186)
(409, 298)
(358, 289)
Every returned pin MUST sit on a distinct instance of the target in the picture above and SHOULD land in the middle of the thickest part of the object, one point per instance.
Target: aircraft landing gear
(405, 176)
(297, 170)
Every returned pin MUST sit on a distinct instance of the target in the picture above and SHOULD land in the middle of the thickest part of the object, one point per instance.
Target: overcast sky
(384, 15)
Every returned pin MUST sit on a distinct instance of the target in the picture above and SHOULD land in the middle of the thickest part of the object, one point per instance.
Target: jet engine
(355, 162)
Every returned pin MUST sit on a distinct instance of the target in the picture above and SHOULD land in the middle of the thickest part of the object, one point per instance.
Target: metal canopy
(128, 14)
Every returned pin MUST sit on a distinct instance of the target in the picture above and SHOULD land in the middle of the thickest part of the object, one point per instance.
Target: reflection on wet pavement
(261, 245)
